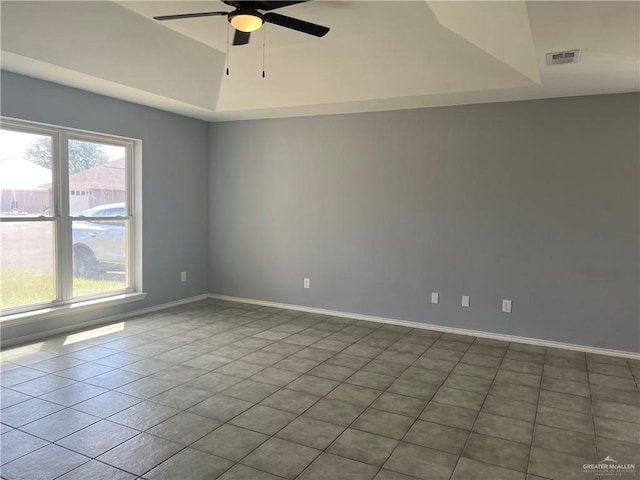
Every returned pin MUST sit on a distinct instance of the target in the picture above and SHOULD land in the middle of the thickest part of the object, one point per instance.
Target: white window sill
(70, 309)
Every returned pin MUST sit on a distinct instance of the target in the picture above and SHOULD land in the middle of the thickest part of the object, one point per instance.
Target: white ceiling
(378, 55)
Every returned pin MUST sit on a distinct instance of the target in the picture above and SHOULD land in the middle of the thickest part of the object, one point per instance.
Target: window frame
(62, 221)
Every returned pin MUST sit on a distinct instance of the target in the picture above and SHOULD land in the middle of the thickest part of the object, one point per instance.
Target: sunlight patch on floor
(93, 333)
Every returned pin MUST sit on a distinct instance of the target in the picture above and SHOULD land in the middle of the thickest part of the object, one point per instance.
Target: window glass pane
(25, 174)
(97, 179)
(99, 256)
(26, 259)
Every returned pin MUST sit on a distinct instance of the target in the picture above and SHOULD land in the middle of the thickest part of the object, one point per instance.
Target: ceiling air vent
(568, 56)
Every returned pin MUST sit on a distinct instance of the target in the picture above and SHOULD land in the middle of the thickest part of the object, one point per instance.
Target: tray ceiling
(378, 55)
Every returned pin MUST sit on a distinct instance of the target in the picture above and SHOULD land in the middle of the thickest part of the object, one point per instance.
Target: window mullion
(131, 208)
(64, 270)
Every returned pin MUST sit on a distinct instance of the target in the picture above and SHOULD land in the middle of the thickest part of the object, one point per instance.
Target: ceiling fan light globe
(246, 22)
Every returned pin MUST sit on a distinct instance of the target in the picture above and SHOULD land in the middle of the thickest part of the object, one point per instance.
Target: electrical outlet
(435, 297)
(183, 276)
(307, 283)
(465, 300)
(506, 306)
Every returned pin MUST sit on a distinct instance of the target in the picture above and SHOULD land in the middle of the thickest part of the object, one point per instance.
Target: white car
(99, 246)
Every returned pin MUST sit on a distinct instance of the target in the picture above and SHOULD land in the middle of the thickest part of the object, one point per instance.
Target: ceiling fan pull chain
(227, 48)
(264, 42)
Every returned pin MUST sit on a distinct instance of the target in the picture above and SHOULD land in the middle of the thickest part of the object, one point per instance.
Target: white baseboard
(334, 313)
(99, 321)
(439, 328)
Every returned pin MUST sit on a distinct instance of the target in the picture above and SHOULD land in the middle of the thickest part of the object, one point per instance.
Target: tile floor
(235, 391)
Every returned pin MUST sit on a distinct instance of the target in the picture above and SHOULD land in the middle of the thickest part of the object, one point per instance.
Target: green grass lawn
(23, 288)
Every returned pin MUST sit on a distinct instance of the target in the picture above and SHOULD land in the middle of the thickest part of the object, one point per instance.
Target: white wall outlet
(506, 306)
(465, 300)
(307, 283)
(435, 297)
(183, 276)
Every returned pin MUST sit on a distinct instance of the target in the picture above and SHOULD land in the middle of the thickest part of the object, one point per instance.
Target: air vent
(568, 56)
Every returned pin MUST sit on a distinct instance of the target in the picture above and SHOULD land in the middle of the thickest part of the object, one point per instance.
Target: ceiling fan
(249, 16)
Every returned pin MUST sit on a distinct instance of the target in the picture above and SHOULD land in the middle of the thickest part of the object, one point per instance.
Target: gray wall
(174, 184)
(533, 201)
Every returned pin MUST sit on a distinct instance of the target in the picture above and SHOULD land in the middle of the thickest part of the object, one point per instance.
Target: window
(66, 208)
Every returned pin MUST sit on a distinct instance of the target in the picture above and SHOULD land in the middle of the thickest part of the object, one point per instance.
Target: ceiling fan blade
(267, 5)
(190, 15)
(295, 24)
(241, 38)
